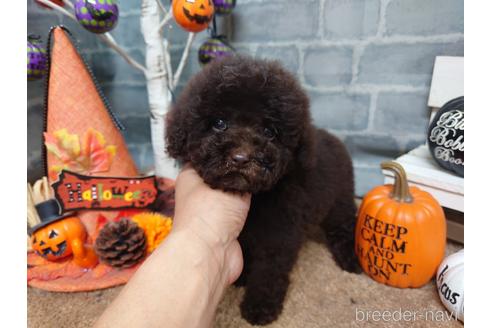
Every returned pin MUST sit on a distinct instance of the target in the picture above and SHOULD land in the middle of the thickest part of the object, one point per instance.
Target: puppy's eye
(220, 125)
(269, 133)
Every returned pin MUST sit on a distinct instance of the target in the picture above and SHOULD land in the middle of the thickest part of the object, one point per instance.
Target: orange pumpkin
(400, 236)
(63, 238)
(193, 15)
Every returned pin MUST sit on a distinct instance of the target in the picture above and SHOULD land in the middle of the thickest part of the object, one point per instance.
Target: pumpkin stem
(401, 191)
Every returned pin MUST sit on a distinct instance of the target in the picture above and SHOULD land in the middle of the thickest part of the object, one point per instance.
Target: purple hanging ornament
(36, 58)
(214, 48)
(224, 7)
(97, 16)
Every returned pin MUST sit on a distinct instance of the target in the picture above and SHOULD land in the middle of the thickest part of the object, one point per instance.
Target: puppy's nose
(240, 157)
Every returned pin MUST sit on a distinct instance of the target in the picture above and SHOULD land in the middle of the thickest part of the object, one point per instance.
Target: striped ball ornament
(224, 7)
(213, 48)
(97, 16)
(36, 58)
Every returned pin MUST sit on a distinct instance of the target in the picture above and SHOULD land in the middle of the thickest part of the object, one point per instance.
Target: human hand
(191, 268)
(213, 218)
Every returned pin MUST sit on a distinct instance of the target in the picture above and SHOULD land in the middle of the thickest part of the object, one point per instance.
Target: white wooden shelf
(423, 172)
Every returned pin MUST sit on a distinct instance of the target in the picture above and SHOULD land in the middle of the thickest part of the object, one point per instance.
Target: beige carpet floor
(320, 295)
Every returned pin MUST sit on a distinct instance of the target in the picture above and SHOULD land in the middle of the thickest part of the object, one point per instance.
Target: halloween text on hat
(76, 191)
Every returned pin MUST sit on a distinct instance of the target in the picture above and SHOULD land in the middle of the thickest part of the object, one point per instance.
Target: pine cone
(121, 244)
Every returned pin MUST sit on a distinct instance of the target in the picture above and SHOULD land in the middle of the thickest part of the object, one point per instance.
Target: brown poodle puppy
(245, 126)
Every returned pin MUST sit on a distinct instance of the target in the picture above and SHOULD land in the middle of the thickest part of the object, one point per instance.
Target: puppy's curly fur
(245, 126)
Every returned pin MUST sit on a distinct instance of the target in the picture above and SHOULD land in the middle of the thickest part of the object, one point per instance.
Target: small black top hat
(49, 211)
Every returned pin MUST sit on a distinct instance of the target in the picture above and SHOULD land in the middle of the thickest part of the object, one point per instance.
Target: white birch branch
(109, 40)
(161, 6)
(167, 62)
(157, 62)
(165, 20)
(68, 3)
(106, 37)
(166, 45)
(184, 59)
(58, 8)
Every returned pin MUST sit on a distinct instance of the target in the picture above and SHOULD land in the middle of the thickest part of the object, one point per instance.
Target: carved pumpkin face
(54, 241)
(193, 15)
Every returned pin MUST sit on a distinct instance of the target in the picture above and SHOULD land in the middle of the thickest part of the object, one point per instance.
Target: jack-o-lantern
(58, 237)
(193, 15)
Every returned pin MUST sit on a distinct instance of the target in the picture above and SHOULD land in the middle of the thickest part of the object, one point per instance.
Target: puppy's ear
(306, 151)
(176, 134)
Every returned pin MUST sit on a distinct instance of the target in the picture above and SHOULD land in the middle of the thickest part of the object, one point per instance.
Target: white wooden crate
(422, 171)
(447, 80)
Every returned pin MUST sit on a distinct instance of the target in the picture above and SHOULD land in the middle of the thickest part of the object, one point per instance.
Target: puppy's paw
(350, 265)
(260, 311)
(345, 257)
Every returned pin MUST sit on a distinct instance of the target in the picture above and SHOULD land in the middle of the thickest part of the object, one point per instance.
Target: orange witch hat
(81, 132)
(82, 135)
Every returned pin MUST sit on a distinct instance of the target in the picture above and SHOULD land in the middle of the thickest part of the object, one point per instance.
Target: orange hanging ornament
(193, 15)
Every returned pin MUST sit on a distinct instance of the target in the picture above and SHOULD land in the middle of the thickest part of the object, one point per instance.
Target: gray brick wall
(366, 64)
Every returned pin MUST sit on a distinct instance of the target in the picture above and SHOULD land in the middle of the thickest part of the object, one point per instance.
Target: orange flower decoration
(156, 227)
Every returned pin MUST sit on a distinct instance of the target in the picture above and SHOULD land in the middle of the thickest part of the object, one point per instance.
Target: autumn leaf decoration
(91, 157)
